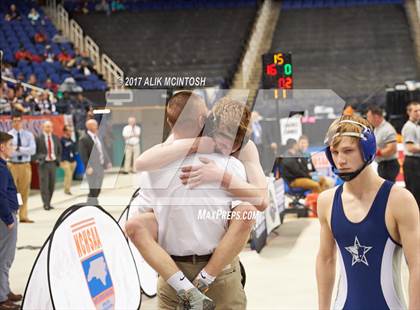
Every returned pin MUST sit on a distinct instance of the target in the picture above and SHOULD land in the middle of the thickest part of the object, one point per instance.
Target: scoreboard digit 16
(278, 73)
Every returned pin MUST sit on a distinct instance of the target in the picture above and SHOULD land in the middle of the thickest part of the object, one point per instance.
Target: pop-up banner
(86, 263)
(148, 276)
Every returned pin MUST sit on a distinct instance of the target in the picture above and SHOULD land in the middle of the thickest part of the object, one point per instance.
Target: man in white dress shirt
(192, 223)
(131, 134)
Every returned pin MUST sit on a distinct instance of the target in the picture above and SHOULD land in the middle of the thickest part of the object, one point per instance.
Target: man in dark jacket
(95, 158)
(8, 224)
(295, 169)
(48, 156)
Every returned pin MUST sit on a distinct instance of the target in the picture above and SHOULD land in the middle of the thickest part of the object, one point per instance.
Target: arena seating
(354, 51)
(205, 42)
(304, 4)
(136, 5)
(20, 33)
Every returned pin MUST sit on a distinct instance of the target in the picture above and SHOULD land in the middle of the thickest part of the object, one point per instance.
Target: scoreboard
(278, 73)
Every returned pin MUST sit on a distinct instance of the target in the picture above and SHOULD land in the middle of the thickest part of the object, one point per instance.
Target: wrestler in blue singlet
(370, 259)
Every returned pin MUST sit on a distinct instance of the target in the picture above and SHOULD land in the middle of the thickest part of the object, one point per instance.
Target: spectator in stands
(82, 107)
(50, 85)
(60, 38)
(48, 155)
(103, 6)
(48, 54)
(117, 5)
(32, 80)
(65, 104)
(13, 12)
(6, 71)
(40, 37)
(30, 101)
(84, 7)
(85, 69)
(69, 85)
(23, 54)
(44, 104)
(64, 57)
(9, 206)
(33, 16)
(20, 162)
(68, 160)
(411, 138)
(20, 78)
(5, 107)
(15, 106)
(295, 170)
(386, 144)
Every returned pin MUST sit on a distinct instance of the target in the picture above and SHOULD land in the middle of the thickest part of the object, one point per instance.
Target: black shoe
(46, 207)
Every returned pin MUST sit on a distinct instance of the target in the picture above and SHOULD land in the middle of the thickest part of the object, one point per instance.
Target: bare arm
(326, 258)
(165, 153)
(406, 212)
(255, 190)
(412, 148)
(389, 149)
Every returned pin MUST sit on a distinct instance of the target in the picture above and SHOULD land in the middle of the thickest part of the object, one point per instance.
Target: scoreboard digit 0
(278, 72)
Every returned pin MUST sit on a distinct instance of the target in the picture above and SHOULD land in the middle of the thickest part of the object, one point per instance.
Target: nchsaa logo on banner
(89, 249)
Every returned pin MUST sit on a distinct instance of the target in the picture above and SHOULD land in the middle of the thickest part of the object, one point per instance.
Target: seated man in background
(296, 171)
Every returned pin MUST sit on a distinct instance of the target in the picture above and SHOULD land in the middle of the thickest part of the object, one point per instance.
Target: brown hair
(411, 104)
(338, 127)
(5, 137)
(177, 103)
(376, 110)
(233, 118)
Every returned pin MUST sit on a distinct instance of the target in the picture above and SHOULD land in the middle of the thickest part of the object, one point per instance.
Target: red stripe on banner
(93, 254)
(82, 222)
(103, 296)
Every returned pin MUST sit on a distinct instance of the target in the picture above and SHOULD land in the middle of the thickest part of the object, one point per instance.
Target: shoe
(68, 193)
(26, 221)
(201, 285)
(14, 297)
(124, 172)
(8, 305)
(193, 299)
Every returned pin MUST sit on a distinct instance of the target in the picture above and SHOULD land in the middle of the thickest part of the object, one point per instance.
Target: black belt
(192, 258)
(411, 157)
(19, 163)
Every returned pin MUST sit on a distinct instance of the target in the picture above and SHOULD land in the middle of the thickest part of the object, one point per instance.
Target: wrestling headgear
(367, 144)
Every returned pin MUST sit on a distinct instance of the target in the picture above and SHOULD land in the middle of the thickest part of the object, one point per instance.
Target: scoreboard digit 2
(277, 72)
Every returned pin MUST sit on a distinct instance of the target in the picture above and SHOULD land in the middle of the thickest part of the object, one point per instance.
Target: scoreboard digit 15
(278, 73)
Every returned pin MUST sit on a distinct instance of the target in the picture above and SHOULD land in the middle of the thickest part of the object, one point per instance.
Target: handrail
(76, 34)
(26, 85)
(112, 73)
(93, 51)
(71, 29)
(63, 20)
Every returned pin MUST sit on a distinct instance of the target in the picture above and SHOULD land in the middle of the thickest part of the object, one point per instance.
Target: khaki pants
(310, 184)
(131, 154)
(22, 175)
(226, 291)
(68, 168)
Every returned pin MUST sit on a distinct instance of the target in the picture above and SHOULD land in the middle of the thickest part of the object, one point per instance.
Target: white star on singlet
(358, 252)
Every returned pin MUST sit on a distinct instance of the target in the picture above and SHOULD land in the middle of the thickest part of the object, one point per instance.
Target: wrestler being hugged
(367, 223)
(198, 259)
